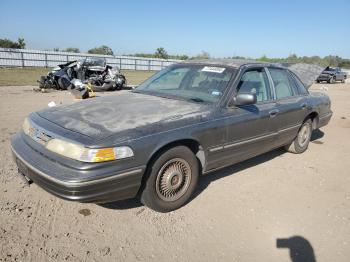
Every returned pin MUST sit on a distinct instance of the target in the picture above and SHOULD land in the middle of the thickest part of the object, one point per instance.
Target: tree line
(330, 60)
(160, 52)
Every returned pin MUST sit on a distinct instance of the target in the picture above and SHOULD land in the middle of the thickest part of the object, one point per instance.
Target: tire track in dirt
(32, 225)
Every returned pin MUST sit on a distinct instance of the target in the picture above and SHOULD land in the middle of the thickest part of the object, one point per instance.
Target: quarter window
(255, 81)
(301, 88)
(281, 81)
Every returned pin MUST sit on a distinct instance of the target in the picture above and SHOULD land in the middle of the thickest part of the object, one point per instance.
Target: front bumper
(323, 78)
(103, 183)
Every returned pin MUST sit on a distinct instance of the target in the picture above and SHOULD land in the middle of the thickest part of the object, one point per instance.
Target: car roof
(307, 73)
(234, 63)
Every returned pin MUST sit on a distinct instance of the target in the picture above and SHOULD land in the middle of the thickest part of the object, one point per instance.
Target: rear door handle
(274, 112)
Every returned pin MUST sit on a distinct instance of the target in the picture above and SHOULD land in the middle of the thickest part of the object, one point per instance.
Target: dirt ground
(264, 209)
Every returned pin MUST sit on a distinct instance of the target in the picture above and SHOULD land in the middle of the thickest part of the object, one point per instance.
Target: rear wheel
(172, 179)
(301, 141)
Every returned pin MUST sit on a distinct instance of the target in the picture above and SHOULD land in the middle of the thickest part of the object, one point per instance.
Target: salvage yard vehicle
(331, 75)
(95, 71)
(154, 142)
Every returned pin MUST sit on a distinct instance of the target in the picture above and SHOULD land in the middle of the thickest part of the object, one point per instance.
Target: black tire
(119, 87)
(317, 81)
(171, 180)
(301, 141)
(107, 86)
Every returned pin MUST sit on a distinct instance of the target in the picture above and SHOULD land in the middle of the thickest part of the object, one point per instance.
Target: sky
(221, 28)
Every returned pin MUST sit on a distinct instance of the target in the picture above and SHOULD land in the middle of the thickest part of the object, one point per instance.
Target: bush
(102, 50)
(72, 50)
(7, 43)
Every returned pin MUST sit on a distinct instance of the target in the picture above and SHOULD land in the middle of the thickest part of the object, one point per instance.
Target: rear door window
(283, 86)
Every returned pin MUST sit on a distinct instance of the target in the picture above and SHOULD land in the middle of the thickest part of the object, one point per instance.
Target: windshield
(199, 83)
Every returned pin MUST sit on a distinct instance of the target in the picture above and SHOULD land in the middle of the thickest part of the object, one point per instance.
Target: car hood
(127, 113)
(328, 72)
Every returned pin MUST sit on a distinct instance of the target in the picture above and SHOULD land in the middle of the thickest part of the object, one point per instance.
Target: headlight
(26, 126)
(81, 153)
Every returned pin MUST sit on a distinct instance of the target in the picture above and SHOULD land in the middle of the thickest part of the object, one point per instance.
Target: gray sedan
(154, 142)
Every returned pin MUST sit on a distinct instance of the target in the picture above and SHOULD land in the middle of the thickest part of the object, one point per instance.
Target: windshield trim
(169, 96)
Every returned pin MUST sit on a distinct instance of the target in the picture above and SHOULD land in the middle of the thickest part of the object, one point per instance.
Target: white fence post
(22, 58)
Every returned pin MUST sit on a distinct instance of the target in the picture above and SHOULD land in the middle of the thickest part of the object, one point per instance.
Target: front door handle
(274, 112)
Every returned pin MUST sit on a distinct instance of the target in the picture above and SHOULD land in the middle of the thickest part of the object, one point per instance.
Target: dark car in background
(155, 141)
(331, 75)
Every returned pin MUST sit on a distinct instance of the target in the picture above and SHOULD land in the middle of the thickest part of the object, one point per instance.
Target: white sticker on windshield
(213, 69)
(216, 93)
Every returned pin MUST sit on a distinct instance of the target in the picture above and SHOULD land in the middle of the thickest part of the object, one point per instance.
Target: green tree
(72, 50)
(332, 60)
(182, 57)
(201, 56)
(7, 43)
(154, 55)
(161, 53)
(293, 58)
(21, 43)
(102, 50)
(264, 59)
(238, 57)
(143, 55)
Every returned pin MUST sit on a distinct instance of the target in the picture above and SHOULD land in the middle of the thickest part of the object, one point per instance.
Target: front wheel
(172, 178)
(332, 80)
(301, 141)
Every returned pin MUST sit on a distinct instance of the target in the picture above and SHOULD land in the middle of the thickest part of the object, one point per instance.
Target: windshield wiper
(150, 93)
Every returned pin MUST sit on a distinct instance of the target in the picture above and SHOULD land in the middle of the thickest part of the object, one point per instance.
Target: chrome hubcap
(173, 179)
(304, 135)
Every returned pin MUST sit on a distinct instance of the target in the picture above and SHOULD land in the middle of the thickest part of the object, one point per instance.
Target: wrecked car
(95, 71)
(331, 75)
(155, 141)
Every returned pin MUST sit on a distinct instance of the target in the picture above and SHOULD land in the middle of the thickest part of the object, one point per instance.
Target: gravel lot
(240, 213)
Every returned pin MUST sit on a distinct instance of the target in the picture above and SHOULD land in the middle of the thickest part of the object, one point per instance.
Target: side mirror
(243, 99)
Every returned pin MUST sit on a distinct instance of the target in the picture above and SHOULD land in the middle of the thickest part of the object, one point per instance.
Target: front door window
(255, 81)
